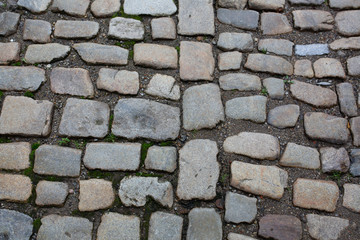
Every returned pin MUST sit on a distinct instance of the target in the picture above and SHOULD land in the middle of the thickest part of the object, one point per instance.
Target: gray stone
(254, 145)
(271, 64)
(312, 49)
(303, 68)
(161, 158)
(123, 81)
(267, 5)
(235, 41)
(300, 156)
(236, 236)
(15, 188)
(76, 29)
(238, 4)
(324, 127)
(72, 81)
(353, 65)
(352, 197)
(51, 193)
(202, 107)
(112, 156)
(333, 159)
(163, 86)
(344, 4)
(314, 20)
(267, 181)
(56, 160)
(275, 87)
(355, 162)
(307, 2)
(118, 226)
(204, 223)
(15, 225)
(8, 23)
(199, 170)
(105, 8)
(314, 95)
(251, 108)
(15, 156)
(165, 226)
(347, 99)
(21, 78)
(196, 17)
(280, 227)
(84, 118)
(347, 22)
(355, 130)
(244, 19)
(229, 61)
(9, 52)
(329, 67)
(352, 43)
(95, 194)
(155, 56)
(34, 6)
(163, 28)
(25, 116)
(46, 53)
(325, 227)
(239, 208)
(65, 227)
(284, 116)
(274, 24)
(150, 7)
(94, 53)
(277, 46)
(77, 9)
(38, 31)
(141, 118)
(133, 191)
(240, 81)
(126, 29)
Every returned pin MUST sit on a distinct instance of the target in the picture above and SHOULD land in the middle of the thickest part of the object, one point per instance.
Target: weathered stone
(314, 20)
(65, 227)
(95, 194)
(347, 22)
(8, 23)
(126, 29)
(329, 67)
(165, 226)
(284, 116)
(355, 162)
(235, 41)
(314, 95)
(155, 56)
(133, 191)
(303, 68)
(326, 127)
(344, 4)
(25, 116)
(196, 17)
(355, 130)
(150, 7)
(268, 181)
(202, 107)
(267, 5)
(235, 236)
(118, 226)
(312, 49)
(347, 99)
(46, 53)
(15, 225)
(123, 81)
(72, 81)
(352, 197)
(240, 81)
(199, 170)
(238, 4)
(274, 24)
(244, 19)
(280, 227)
(15, 188)
(9, 52)
(161, 158)
(163, 28)
(34, 6)
(140, 118)
(112, 156)
(251, 108)
(77, 9)
(275, 87)
(105, 8)
(315, 194)
(333, 159)
(84, 118)
(51, 193)
(300, 156)
(76, 29)
(307, 2)
(325, 227)
(94, 53)
(277, 46)
(204, 223)
(353, 65)
(352, 43)
(229, 61)
(163, 86)
(239, 208)
(21, 78)
(15, 156)
(38, 31)
(265, 63)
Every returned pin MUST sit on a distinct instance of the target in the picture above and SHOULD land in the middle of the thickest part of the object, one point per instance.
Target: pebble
(333, 159)
(352, 43)
(204, 223)
(35, 6)
(126, 29)
(165, 226)
(9, 52)
(239, 208)
(118, 226)
(258, 62)
(312, 49)
(51, 193)
(46, 53)
(347, 22)
(268, 5)
(353, 66)
(150, 7)
(277, 46)
(304, 68)
(155, 56)
(275, 87)
(344, 4)
(280, 227)
(229, 61)
(21, 78)
(325, 227)
(329, 67)
(15, 225)
(77, 9)
(15, 188)
(105, 8)
(251, 108)
(95, 194)
(15, 156)
(355, 162)
(163, 86)
(243, 19)
(76, 29)
(284, 116)
(8, 23)
(313, 20)
(229, 41)
(38, 31)
(274, 24)
(163, 28)
(351, 198)
(300, 156)
(161, 159)
(347, 99)
(355, 130)
(123, 81)
(237, 4)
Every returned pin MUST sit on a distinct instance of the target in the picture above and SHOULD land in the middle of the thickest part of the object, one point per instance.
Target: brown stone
(315, 20)
(329, 67)
(304, 68)
(9, 52)
(271, 64)
(95, 194)
(352, 197)
(15, 188)
(155, 56)
(280, 227)
(15, 156)
(274, 23)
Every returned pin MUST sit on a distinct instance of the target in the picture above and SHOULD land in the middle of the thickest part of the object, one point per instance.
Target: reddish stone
(280, 227)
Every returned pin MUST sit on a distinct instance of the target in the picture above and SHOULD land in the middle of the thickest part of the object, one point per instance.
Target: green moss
(79, 144)
(19, 63)
(264, 91)
(4, 140)
(126, 44)
(1, 94)
(64, 142)
(99, 174)
(111, 119)
(178, 49)
(78, 213)
(224, 178)
(110, 138)
(52, 178)
(37, 224)
(131, 54)
(264, 51)
(142, 174)
(29, 94)
(168, 143)
(144, 148)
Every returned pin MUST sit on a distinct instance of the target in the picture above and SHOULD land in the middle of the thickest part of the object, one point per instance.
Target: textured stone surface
(8, 23)
(51, 193)
(303, 68)
(140, 118)
(274, 24)
(300, 156)
(15, 188)
(312, 49)
(314, 20)
(353, 66)
(284, 116)
(315, 194)
(77, 9)
(15, 156)
(95, 194)
(333, 159)
(346, 23)
(163, 28)
(235, 236)
(239, 208)
(34, 6)
(344, 4)
(118, 226)
(76, 29)
(324, 227)
(347, 99)
(165, 226)
(9, 52)
(271, 64)
(355, 162)
(229, 61)
(15, 225)
(163, 86)
(46, 53)
(202, 107)
(204, 223)
(235, 41)
(328, 67)
(161, 158)
(25, 116)
(238, 4)
(94, 53)
(277, 46)
(105, 8)
(150, 7)
(38, 31)
(352, 43)
(267, 5)
(123, 81)
(126, 29)
(280, 227)
(355, 130)
(244, 19)
(251, 108)
(240, 81)
(307, 2)
(275, 87)
(351, 198)
(21, 78)
(155, 56)
(199, 170)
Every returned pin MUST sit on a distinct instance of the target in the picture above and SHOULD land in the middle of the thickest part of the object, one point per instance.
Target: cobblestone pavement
(184, 119)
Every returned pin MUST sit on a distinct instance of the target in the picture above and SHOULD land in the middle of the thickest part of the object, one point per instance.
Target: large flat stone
(251, 108)
(271, 64)
(76, 29)
(21, 78)
(244, 19)
(300, 156)
(15, 156)
(165, 226)
(347, 99)
(204, 223)
(314, 20)
(274, 24)
(235, 41)
(280, 227)
(329, 67)
(105, 8)
(155, 56)
(284, 116)
(38, 31)
(123, 81)
(118, 226)
(240, 81)
(34, 6)
(15, 225)
(150, 7)
(325, 227)
(239, 208)
(8, 23)
(346, 22)
(126, 29)
(9, 52)
(15, 188)
(352, 43)
(95, 194)
(77, 9)
(51, 193)
(46, 53)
